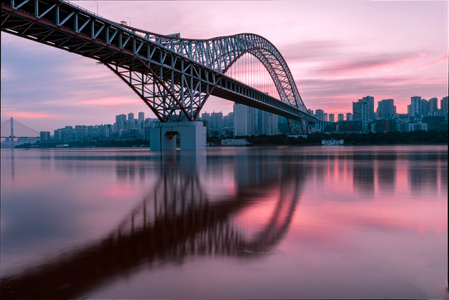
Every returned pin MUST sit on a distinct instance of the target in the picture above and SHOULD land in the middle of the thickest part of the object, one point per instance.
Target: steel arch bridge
(173, 76)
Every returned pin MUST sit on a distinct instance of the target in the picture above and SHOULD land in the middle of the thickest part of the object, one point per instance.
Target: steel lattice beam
(176, 75)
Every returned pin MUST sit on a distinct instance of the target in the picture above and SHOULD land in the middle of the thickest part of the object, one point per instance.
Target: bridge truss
(173, 76)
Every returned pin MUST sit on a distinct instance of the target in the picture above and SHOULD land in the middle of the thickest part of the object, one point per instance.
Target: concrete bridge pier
(192, 135)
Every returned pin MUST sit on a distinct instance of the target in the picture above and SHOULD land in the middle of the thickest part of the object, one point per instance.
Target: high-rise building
(269, 123)
(325, 117)
(319, 113)
(415, 106)
(425, 107)
(241, 122)
(386, 109)
(341, 117)
(45, 136)
(205, 116)
(130, 116)
(228, 120)
(348, 117)
(363, 110)
(141, 116)
(120, 121)
(331, 118)
(443, 104)
(216, 121)
(433, 105)
(251, 121)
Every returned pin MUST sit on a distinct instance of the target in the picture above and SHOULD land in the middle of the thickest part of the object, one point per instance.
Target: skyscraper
(425, 107)
(241, 120)
(444, 104)
(269, 123)
(141, 121)
(433, 105)
(45, 136)
(348, 117)
(363, 110)
(216, 121)
(386, 108)
(331, 118)
(120, 121)
(415, 106)
(319, 113)
(341, 117)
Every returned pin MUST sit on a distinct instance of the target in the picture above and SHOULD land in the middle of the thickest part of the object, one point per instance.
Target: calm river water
(273, 222)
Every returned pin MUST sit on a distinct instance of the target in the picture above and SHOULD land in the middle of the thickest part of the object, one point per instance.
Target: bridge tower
(12, 133)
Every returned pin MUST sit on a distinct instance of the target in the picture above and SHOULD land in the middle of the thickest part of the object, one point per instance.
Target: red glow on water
(119, 191)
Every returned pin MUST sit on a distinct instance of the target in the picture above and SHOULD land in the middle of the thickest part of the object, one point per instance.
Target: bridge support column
(192, 134)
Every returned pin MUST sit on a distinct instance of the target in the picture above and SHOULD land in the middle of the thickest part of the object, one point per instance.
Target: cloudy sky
(337, 51)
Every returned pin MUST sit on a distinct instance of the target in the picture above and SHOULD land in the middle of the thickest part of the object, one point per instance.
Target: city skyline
(337, 51)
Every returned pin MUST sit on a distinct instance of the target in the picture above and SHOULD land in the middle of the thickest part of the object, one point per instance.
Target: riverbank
(431, 137)
(391, 138)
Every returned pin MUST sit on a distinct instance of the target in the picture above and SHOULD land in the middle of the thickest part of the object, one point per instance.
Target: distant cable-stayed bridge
(173, 76)
(14, 129)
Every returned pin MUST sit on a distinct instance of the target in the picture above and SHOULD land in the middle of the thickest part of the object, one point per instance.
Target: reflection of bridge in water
(174, 221)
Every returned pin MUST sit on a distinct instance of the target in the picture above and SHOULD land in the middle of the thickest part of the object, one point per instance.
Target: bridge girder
(174, 77)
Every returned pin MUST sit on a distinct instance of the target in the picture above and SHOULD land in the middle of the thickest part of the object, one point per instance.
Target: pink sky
(337, 51)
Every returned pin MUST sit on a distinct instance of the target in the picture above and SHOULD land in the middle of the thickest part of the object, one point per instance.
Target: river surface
(272, 222)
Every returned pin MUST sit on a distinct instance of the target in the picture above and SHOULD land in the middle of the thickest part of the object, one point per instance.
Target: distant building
(415, 106)
(349, 126)
(216, 121)
(44, 136)
(433, 106)
(268, 123)
(444, 104)
(332, 142)
(341, 117)
(120, 121)
(386, 109)
(383, 126)
(348, 117)
(243, 118)
(251, 121)
(319, 113)
(425, 107)
(435, 123)
(228, 120)
(363, 110)
(331, 118)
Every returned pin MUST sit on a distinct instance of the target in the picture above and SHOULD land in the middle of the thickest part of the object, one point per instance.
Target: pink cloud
(443, 58)
(31, 115)
(110, 101)
(354, 65)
